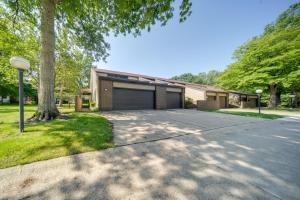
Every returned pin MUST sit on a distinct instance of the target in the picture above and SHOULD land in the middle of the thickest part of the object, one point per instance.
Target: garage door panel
(130, 99)
(222, 102)
(173, 100)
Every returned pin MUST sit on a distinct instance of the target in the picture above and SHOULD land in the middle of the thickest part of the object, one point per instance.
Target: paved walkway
(182, 154)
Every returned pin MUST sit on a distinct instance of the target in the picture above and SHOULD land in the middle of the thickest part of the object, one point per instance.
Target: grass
(82, 132)
(249, 114)
(283, 109)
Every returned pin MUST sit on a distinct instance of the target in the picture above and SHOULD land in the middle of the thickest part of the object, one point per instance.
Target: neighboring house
(4, 99)
(12, 99)
(113, 90)
(204, 96)
(238, 99)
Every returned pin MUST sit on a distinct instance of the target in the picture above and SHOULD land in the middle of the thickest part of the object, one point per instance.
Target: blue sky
(204, 42)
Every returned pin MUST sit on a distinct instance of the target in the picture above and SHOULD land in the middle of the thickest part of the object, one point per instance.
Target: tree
(88, 21)
(16, 39)
(209, 78)
(270, 61)
(73, 64)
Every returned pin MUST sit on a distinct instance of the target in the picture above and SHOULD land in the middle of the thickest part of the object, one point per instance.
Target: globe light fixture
(258, 92)
(21, 64)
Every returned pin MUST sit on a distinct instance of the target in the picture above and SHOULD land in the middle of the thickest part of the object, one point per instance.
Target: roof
(159, 80)
(139, 81)
(85, 91)
(241, 92)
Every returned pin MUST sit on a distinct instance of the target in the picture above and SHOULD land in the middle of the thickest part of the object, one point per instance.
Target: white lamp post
(21, 64)
(258, 92)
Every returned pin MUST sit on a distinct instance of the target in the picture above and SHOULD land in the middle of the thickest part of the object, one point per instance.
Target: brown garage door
(222, 102)
(128, 99)
(173, 100)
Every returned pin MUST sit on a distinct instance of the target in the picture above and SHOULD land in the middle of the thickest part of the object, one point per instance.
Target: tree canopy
(209, 78)
(88, 22)
(14, 41)
(270, 61)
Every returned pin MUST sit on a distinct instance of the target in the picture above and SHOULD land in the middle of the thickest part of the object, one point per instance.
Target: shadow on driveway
(254, 160)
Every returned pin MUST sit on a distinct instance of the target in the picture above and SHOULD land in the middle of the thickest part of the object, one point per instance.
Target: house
(238, 99)
(4, 99)
(113, 90)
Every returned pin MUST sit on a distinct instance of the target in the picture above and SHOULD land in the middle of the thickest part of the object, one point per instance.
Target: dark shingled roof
(157, 80)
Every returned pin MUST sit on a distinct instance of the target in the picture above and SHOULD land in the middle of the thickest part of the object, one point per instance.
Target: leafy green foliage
(90, 21)
(18, 39)
(270, 61)
(72, 67)
(209, 78)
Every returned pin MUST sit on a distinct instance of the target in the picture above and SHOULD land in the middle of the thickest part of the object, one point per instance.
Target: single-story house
(113, 90)
(238, 99)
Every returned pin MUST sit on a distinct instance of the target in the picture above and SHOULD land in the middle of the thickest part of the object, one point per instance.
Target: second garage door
(173, 100)
(129, 99)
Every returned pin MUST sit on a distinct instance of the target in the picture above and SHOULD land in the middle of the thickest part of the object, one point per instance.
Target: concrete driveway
(177, 154)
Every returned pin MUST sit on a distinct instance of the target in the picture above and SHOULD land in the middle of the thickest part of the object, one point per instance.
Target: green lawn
(249, 114)
(82, 132)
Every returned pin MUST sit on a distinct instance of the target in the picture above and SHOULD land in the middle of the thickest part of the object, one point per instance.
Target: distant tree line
(209, 78)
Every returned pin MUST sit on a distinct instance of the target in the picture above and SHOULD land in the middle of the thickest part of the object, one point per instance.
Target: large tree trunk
(46, 107)
(273, 92)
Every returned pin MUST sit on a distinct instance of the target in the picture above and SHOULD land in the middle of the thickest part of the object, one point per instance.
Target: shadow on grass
(82, 132)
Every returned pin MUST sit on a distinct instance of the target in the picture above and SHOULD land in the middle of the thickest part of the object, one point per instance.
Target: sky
(205, 41)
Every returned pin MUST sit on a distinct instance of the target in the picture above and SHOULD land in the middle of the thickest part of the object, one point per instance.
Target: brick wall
(106, 90)
(160, 97)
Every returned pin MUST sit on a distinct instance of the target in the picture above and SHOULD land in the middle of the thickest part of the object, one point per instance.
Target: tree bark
(273, 91)
(46, 107)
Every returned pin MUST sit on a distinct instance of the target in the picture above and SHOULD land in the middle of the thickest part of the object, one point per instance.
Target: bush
(93, 105)
(285, 100)
(189, 103)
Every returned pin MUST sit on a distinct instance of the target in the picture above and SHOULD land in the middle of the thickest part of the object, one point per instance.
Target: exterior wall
(106, 90)
(207, 104)
(94, 86)
(214, 100)
(251, 103)
(160, 97)
(179, 90)
(182, 98)
(133, 86)
(194, 95)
